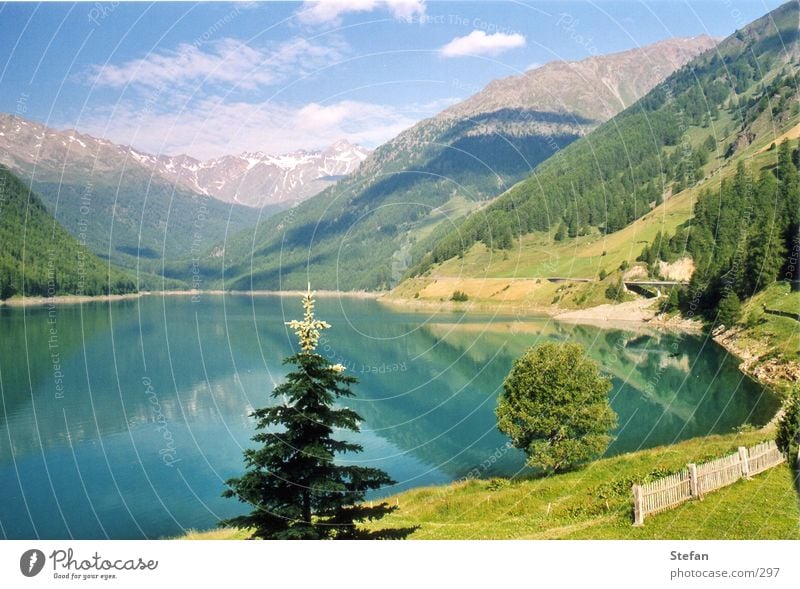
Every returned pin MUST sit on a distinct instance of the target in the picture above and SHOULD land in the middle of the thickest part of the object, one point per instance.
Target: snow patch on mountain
(254, 178)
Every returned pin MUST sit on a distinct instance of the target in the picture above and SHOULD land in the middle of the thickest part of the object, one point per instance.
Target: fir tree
(296, 489)
(766, 252)
(788, 435)
(672, 303)
(789, 188)
(729, 310)
(561, 232)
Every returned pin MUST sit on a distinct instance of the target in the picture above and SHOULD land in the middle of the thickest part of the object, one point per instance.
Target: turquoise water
(124, 419)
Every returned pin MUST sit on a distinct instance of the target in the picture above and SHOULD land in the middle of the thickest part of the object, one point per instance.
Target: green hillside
(685, 130)
(365, 232)
(141, 222)
(737, 220)
(596, 503)
(38, 257)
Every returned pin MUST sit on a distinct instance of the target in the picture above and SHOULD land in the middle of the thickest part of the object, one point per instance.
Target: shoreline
(66, 300)
(604, 316)
(631, 316)
(628, 315)
(80, 299)
(777, 377)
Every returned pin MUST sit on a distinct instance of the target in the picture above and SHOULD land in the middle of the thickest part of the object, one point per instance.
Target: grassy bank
(595, 502)
(769, 345)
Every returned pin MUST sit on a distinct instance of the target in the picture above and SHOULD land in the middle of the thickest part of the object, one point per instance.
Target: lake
(124, 419)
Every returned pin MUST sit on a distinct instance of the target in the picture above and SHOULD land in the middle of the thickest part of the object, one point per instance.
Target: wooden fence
(763, 457)
(720, 473)
(696, 480)
(662, 494)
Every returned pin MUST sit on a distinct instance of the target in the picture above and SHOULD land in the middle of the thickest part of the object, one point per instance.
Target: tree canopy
(740, 238)
(555, 407)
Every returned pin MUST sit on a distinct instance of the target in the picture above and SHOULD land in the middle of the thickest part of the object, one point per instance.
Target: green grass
(771, 338)
(780, 298)
(484, 274)
(218, 534)
(537, 255)
(596, 502)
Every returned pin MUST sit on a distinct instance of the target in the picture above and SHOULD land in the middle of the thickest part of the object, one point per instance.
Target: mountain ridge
(674, 49)
(253, 179)
(441, 167)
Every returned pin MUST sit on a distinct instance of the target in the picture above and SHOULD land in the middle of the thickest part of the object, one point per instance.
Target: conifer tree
(789, 188)
(561, 232)
(292, 481)
(788, 435)
(729, 310)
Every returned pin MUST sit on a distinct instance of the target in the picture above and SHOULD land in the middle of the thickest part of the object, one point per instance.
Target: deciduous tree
(555, 407)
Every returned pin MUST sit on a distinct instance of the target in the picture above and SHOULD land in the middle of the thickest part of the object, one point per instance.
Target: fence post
(638, 512)
(743, 458)
(694, 483)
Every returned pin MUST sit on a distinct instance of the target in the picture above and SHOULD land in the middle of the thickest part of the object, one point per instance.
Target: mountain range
(366, 231)
(143, 211)
(253, 179)
(256, 179)
(590, 146)
(697, 182)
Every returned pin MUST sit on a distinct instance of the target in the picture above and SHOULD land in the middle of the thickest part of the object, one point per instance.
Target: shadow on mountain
(478, 163)
(465, 159)
(482, 160)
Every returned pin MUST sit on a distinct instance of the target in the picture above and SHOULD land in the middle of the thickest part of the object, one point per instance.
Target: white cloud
(331, 11)
(181, 101)
(213, 127)
(479, 43)
(225, 61)
(406, 9)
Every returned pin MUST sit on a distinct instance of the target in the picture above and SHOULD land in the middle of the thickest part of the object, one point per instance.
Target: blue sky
(214, 78)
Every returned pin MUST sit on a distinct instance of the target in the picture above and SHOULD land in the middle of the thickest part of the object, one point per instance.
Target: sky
(215, 78)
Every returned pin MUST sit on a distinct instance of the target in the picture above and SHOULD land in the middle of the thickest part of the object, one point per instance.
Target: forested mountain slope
(365, 232)
(38, 257)
(728, 227)
(124, 208)
(685, 129)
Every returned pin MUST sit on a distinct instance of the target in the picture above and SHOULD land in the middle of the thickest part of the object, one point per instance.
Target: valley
(550, 273)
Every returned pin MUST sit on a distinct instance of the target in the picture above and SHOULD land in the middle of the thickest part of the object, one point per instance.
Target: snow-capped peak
(252, 178)
(256, 178)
